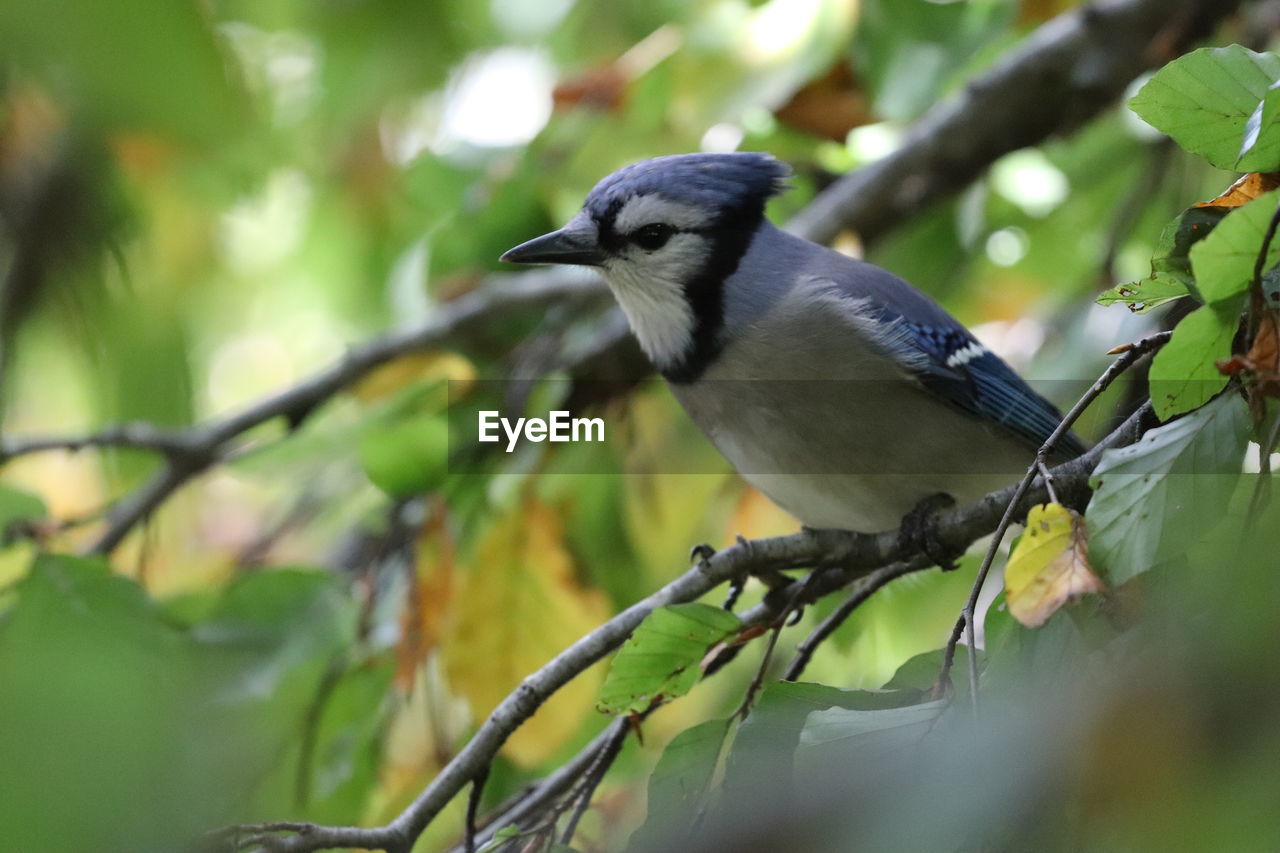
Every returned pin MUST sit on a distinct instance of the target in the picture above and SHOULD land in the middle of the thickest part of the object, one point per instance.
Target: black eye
(653, 236)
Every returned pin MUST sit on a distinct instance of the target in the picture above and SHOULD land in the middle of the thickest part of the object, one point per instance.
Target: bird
(848, 397)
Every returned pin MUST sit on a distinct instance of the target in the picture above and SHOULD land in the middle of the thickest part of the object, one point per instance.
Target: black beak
(558, 247)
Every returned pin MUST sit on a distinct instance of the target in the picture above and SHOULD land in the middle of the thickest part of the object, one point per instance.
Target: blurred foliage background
(205, 203)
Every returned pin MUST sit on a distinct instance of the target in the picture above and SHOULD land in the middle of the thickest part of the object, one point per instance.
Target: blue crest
(734, 186)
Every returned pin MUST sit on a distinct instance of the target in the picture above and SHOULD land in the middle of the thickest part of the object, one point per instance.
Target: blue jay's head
(666, 233)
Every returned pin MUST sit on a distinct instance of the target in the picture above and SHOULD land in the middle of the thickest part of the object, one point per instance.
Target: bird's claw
(702, 552)
(736, 585)
(919, 530)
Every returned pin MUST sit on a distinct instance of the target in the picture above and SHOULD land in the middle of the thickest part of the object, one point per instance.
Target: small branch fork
(862, 591)
(1129, 354)
(188, 452)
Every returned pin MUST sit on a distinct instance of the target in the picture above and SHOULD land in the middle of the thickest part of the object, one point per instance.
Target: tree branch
(538, 796)
(595, 775)
(189, 452)
(1064, 73)
(849, 556)
(132, 436)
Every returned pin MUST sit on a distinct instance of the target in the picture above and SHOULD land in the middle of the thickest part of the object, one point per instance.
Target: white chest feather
(651, 293)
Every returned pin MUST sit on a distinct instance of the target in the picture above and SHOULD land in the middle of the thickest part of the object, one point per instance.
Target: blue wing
(968, 375)
(946, 359)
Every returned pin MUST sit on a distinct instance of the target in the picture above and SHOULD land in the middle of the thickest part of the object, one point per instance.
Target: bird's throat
(659, 314)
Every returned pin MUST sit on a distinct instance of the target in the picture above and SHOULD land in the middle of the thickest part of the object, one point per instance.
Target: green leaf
(344, 752)
(1171, 276)
(1155, 498)
(660, 661)
(102, 711)
(908, 52)
(760, 763)
(1172, 257)
(1184, 373)
(1141, 296)
(1223, 262)
(680, 785)
(17, 507)
(406, 457)
(921, 672)
(1260, 149)
(844, 737)
(131, 64)
(501, 837)
(1204, 100)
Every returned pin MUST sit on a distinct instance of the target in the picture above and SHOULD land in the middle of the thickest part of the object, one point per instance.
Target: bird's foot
(702, 552)
(919, 531)
(739, 581)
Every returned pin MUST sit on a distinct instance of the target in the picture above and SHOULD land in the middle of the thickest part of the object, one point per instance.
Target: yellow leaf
(1048, 568)
(756, 516)
(1035, 12)
(675, 486)
(382, 382)
(517, 605)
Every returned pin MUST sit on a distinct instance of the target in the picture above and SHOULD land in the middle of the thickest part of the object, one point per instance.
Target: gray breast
(810, 413)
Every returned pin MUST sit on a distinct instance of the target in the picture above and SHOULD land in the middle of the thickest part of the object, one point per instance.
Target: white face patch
(649, 285)
(648, 209)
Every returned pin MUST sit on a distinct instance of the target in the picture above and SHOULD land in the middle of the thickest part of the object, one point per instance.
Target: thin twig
(1257, 300)
(138, 505)
(594, 776)
(1262, 490)
(1129, 355)
(473, 807)
(942, 684)
(520, 808)
(757, 680)
(131, 436)
(1043, 470)
(454, 321)
(862, 591)
(333, 674)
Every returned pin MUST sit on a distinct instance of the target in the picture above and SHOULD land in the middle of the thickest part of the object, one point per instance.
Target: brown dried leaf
(830, 106)
(1262, 360)
(1245, 190)
(603, 87)
(518, 604)
(430, 594)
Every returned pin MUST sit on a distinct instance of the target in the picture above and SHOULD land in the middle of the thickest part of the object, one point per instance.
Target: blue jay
(840, 391)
